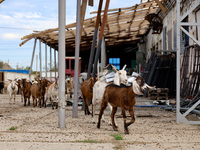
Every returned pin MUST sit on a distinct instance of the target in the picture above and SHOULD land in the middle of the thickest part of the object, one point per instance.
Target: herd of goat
(41, 90)
(118, 91)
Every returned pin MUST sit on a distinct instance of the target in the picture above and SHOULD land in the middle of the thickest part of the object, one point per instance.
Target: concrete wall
(12, 76)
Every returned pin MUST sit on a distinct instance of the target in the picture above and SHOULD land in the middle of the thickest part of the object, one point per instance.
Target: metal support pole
(77, 47)
(103, 54)
(40, 60)
(100, 38)
(178, 115)
(32, 58)
(55, 62)
(61, 54)
(50, 65)
(36, 64)
(46, 60)
(94, 40)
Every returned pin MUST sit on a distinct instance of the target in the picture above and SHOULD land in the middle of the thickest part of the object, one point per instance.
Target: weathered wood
(121, 25)
(91, 3)
(160, 5)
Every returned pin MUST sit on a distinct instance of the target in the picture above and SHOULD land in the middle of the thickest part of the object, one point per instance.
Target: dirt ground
(37, 129)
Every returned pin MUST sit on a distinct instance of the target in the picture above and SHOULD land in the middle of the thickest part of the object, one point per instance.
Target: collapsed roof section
(123, 26)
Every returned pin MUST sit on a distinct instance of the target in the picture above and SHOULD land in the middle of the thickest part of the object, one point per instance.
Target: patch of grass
(89, 141)
(12, 128)
(117, 136)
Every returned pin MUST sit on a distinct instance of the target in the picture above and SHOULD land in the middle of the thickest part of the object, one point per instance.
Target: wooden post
(100, 38)
(94, 39)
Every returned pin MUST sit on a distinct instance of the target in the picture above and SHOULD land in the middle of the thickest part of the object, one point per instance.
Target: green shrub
(118, 137)
(12, 128)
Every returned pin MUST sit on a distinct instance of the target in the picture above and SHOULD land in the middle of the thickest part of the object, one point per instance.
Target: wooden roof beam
(1, 1)
(161, 6)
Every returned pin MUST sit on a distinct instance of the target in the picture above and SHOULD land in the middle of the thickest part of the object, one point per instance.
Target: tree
(1, 64)
(53, 67)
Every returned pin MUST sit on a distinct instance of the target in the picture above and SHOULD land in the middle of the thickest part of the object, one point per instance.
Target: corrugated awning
(123, 26)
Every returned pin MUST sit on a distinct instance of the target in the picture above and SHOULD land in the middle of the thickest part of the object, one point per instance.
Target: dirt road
(37, 129)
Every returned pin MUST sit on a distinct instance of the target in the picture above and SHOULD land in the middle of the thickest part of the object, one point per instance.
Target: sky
(21, 17)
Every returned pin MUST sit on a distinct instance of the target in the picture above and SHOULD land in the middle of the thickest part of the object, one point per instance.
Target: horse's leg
(114, 110)
(124, 118)
(103, 107)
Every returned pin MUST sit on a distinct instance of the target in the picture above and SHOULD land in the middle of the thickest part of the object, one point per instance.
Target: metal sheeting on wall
(190, 76)
(160, 71)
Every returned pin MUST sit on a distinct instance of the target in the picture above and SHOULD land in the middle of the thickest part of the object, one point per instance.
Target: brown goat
(87, 92)
(36, 92)
(44, 83)
(124, 97)
(26, 90)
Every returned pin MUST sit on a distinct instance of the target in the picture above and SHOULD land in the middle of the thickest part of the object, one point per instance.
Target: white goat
(99, 88)
(69, 88)
(12, 90)
(52, 94)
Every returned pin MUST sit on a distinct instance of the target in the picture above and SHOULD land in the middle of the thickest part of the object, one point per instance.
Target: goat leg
(14, 98)
(131, 112)
(87, 112)
(24, 101)
(125, 124)
(103, 107)
(52, 103)
(114, 110)
(10, 96)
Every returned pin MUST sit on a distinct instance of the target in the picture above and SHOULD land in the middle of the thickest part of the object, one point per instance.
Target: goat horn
(149, 87)
(124, 67)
